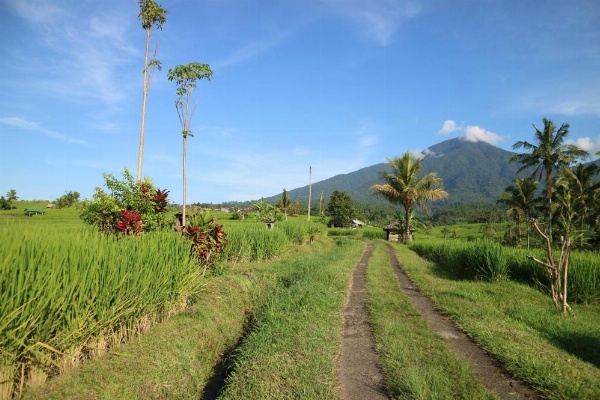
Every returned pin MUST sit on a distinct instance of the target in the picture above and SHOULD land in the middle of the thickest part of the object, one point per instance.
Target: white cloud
(22, 123)
(418, 154)
(477, 134)
(592, 146)
(449, 126)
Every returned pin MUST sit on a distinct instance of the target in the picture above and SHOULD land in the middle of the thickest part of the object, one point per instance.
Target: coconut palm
(520, 200)
(547, 156)
(404, 186)
(579, 182)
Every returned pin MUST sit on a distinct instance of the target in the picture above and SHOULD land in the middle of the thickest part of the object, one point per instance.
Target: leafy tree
(548, 155)
(4, 204)
(151, 14)
(520, 200)
(404, 186)
(67, 200)
(127, 206)
(11, 196)
(340, 209)
(186, 78)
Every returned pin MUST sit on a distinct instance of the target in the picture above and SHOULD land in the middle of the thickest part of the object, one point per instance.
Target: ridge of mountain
(472, 172)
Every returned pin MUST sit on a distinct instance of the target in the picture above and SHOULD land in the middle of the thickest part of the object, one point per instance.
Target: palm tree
(150, 14)
(548, 155)
(579, 182)
(404, 186)
(186, 77)
(520, 200)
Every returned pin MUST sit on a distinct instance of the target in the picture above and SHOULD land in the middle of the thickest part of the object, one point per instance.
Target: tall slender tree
(404, 186)
(186, 78)
(284, 204)
(520, 200)
(548, 155)
(151, 14)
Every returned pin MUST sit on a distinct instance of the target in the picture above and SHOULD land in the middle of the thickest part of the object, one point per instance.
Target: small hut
(393, 232)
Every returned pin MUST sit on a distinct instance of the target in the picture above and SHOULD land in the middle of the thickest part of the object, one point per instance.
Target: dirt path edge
(358, 370)
(487, 369)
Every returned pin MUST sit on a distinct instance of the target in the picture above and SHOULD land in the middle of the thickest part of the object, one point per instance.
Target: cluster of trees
(6, 203)
(568, 212)
(68, 199)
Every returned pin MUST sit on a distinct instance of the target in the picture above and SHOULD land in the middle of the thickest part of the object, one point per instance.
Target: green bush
(105, 211)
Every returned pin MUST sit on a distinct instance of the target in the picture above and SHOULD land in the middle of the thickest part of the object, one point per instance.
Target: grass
(558, 355)
(416, 363)
(292, 307)
(292, 350)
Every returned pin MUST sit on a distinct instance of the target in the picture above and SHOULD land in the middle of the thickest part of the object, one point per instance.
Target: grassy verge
(293, 348)
(416, 363)
(177, 358)
(558, 355)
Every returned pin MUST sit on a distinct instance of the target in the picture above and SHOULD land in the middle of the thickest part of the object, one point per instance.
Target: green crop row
(490, 261)
(66, 295)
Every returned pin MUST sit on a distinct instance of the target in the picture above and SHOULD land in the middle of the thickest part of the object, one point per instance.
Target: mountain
(472, 172)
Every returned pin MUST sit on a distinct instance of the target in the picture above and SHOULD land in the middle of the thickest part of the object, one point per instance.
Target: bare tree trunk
(407, 234)
(183, 218)
(144, 97)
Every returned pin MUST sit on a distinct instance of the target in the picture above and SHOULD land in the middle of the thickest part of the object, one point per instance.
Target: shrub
(106, 209)
(207, 237)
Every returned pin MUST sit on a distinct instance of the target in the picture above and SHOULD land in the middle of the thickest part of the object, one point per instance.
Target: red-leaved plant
(208, 238)
(130, 223)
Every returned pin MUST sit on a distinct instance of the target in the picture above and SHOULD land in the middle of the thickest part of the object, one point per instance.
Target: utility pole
(309, 189)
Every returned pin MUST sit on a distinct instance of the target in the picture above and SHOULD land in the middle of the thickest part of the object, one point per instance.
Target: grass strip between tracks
(416, 363)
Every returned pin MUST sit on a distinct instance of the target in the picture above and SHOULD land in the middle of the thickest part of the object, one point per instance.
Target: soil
(359, 374)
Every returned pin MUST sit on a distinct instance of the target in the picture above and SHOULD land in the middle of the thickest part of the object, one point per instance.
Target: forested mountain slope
(472, 172)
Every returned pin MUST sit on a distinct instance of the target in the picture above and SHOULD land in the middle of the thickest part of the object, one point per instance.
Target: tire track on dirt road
(359, 373)
(484, 366)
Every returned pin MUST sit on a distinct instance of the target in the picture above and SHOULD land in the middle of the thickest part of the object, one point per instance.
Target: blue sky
(333, 84)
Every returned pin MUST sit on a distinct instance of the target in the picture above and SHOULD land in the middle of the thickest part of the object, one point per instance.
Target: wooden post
(309, 189)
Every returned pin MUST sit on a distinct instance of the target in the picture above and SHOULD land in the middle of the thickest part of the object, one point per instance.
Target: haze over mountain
(472, 172)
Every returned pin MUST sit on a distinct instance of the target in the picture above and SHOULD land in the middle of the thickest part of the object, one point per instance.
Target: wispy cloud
(79, 54)
(378, 20)
(251, 50)
(23, 124)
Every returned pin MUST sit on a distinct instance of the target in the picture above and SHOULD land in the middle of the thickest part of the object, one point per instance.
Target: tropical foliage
(404, 186)
(127, 206)
(565, 201)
